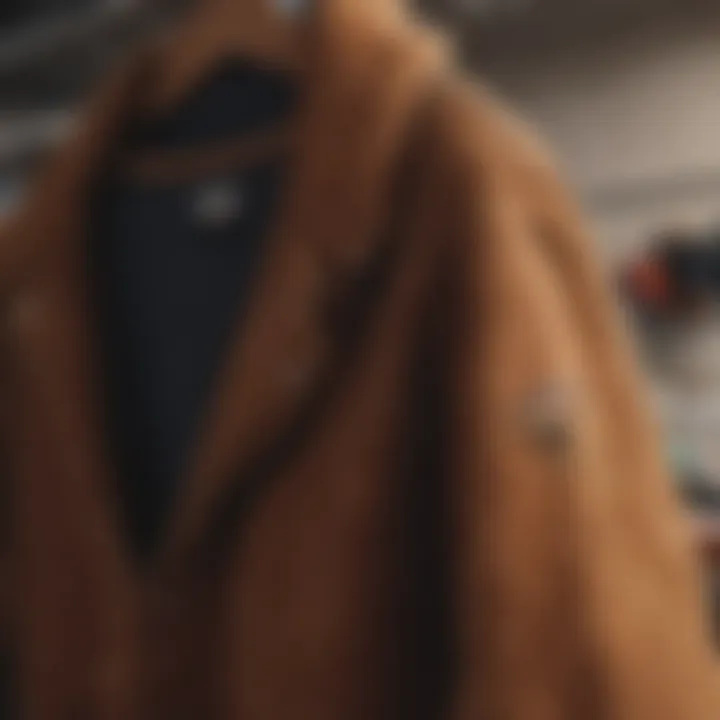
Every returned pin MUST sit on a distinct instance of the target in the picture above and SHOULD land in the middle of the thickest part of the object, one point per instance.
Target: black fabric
(172, 284)
(238, 99)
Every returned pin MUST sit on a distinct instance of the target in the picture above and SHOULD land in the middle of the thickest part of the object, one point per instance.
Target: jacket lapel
(56, 379)
(368, 77)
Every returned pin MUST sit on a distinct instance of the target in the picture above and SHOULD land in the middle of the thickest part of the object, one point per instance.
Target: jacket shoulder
(480, 135)
(488, 146)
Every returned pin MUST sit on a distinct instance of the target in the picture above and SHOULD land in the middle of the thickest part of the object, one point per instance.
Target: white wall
(636, 124)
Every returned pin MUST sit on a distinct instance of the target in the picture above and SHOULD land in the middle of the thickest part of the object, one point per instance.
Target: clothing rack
(28, 134)
(31, 47)
(47, 66)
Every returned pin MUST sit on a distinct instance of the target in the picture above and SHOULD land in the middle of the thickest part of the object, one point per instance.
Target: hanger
(268, 32)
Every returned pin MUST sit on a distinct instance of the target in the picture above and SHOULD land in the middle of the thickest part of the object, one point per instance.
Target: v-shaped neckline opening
(336, 174)
(275, 239)
(152, 421)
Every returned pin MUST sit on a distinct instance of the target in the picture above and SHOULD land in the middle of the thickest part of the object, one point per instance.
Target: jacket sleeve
(577, 588)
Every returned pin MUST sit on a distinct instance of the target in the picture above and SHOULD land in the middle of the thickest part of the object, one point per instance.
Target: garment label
(218, 204)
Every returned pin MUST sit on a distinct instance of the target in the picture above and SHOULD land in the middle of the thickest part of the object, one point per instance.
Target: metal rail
(25, 135)
(20, 50)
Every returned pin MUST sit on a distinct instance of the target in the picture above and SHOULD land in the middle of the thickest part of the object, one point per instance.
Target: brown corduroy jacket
(426, 488)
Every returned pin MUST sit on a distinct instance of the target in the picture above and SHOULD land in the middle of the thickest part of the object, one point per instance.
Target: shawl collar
(371, 68)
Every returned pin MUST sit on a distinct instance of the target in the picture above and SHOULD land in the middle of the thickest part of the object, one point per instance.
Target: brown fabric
(383, 519)
(171, 167)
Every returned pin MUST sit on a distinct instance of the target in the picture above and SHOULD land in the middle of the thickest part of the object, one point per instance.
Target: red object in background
(650, 284)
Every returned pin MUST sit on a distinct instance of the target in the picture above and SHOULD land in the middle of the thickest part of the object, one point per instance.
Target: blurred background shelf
(52, 52)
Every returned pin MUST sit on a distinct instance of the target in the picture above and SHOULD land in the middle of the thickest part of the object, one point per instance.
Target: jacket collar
(370, 70)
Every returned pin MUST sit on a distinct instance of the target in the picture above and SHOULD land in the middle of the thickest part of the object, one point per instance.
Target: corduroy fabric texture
(427, 487)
